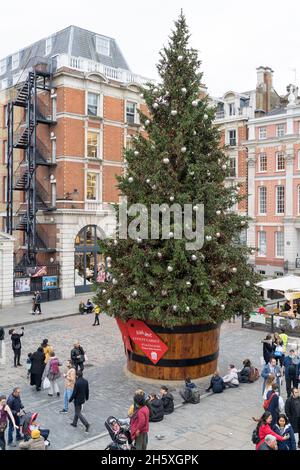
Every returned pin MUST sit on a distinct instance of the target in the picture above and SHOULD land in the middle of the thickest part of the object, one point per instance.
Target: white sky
(233, 36)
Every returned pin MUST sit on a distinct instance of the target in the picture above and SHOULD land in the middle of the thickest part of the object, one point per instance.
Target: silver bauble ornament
(175, 308)
(247, 283)
(194, 133)
(195, 208)
(155, 105)
(243, 222)
(159, 255)
(104, 291)
(183, 149)
(172, 198)
(108, 302)
(155, 90)
(180, 58)
(130, 179)
(154, 187)
(108, 259)
(147, 181)
(218, 212)
(170, 269)
(115, 282)
(184, 90)
(188, 284)
(234, 270)
(218, 234)
(205, 117)
(187, 309)
(166, 161)
(194, 258)
(142, 95)
(222, 306)
(171, 234)
(147, 122)
(164, 293)
(213, 283)
(174, 112)
(208, 238)
(146, 264)
(134, 293)
(195, 103)
(224, 167)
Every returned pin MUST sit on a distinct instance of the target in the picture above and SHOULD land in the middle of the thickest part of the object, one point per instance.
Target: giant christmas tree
(179, 161)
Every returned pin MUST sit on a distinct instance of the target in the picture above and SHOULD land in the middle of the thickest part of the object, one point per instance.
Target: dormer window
(231, 109)
(15, 60)
(2, 66)
(102, 45)
(48, 47)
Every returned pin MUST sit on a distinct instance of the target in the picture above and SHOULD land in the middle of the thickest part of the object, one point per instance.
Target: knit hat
(35, 434)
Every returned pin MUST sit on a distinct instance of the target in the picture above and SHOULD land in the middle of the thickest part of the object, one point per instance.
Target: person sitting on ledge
(167, 399)
(244, 373)
(231, 380)
(191, 393)
(89, 306)
(216, 383)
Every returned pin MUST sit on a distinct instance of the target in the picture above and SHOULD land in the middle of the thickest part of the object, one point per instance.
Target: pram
(119, 433)
(28, 423)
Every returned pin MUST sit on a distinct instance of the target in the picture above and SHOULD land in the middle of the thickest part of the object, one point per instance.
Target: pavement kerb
(30, 322)
(105, 434)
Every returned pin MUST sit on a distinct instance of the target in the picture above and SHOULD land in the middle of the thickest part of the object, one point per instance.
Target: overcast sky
(233, 36)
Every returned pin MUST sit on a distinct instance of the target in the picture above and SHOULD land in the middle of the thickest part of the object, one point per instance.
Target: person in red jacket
(139, 423)
(264, 428)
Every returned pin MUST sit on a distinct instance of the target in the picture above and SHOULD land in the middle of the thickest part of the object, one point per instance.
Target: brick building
(87, 112)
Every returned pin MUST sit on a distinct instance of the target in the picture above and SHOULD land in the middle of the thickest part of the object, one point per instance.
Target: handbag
(46, 383)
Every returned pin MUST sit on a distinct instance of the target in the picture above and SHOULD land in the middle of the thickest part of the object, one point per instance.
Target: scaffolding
(24, 177)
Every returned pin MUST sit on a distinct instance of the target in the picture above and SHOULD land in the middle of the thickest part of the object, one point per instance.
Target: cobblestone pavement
(111, 388)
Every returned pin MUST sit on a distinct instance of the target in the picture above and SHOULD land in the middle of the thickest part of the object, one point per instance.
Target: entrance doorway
(89, 261)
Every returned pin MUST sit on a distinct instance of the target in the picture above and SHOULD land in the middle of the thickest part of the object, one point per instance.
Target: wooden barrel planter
(192, 352)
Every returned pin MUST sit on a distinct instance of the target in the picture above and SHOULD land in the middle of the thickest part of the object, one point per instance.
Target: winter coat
(292, 410)
(266, 371)
(289, 444)
(80, 392)
(77, 352)
(33, 444)
(15, 404)
(37, 363)
(291, 365)
(70, 378)
(47, 350)
(216, 384)
(268, 349)
(156, 408)
(276, 406)
(15, 340)
(263, 431)
(47, 372)
(232, 377)
(2, 334)
(243, 375)
(139, 421)
(168, 402)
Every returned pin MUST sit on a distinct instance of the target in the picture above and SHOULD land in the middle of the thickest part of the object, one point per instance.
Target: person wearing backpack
(291, 371)
(274, 404)
(263, 428)
(191, 393)
(52, 372)
(216, 383)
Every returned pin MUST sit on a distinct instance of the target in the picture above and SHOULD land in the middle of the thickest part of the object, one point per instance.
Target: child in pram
(29, 423)
(119, 432)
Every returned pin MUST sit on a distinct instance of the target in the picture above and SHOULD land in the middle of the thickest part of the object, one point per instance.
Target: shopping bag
(85, 358)
(46, 383)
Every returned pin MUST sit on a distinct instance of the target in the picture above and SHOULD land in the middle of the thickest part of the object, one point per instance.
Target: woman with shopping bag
(52, 373)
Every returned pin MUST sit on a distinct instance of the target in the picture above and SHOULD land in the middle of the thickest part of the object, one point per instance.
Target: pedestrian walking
(139, 423)
(231, 380)
(2, 336)
(284, 428)
(16, 344)
(52, 372)
(292, 411)
(263, 428)
(275, 404)
(167, 399)
(28, 364)
(70, 379)
(16, 406)
(80, 395)
(285, 339)
(37, 303)
(291, 364)
(271, 368)
(97, 313)
(47, 349)
(77, 356)
(5, 413)
(268, 348)
(271, 379)
(279, 349)
(37, 368)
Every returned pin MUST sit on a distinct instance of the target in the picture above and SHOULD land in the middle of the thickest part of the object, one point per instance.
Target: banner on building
(50, 282)
(37, 271)
(22, 285)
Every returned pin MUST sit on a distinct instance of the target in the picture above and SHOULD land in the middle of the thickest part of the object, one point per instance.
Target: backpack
(54, 369)
(255, 436)
(195, 398)
(254, 374)
(267, 402)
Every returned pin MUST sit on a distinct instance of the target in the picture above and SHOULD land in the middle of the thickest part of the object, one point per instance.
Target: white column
(290, 233)
(289, 160)
(6, 270)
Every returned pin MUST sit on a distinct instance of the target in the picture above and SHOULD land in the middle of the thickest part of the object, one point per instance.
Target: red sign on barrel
(151, 345)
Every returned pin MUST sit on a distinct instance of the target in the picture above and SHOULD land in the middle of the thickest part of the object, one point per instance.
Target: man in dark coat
(16, 345)
(15, 404)
(291, 365)
(77, 356)
(80, 395)
(37, 303)
(167, 399)
(292, 410)
(156, 408)
(37, 368)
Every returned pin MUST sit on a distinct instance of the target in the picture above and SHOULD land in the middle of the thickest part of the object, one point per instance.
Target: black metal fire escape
(36, 154)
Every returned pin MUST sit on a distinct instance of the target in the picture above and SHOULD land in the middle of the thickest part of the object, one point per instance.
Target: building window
(4, 188)
(102, 45)
(92, 144)
(279, 199)
(280, 130)
(231, 108)
(48, 46)
(262, 133)
(2, 66)
(131, 112)
(262, 162)
(232, 137)
(262, 272)
(16, 78)
(278, 274)
(280, 163)
(5, 116)
(5, 147)
(232, 166)
(53, 151)
(93, 104)
(54, 109)
(4, 83)
(91, 187)
(279, 244)
(262, 243)
(262, 200)
(15, 60)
